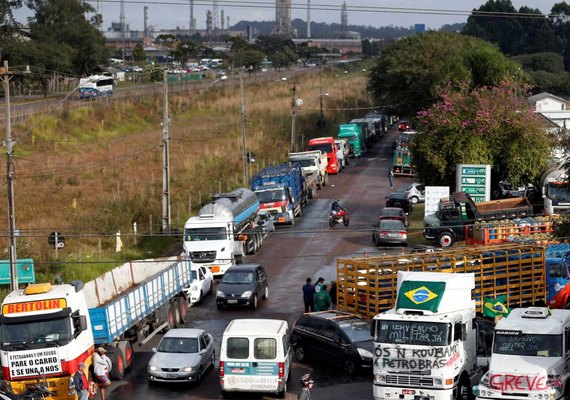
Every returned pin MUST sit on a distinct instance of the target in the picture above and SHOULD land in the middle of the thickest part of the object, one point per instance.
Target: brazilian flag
(420, 295)
(495, 307)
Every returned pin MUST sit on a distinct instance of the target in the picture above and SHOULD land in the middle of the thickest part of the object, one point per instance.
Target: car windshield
(391, 212)
(203, 234)
(558, 191)
(357, 330)
(270, 196)
(305, 163)
(517, 343)
(178, 345)
(413, 332)
(398, 196)
(392, 224)
(237, 277)
(57, 331)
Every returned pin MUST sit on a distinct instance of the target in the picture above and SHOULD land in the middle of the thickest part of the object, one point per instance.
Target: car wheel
(254, 303)
(201, 297)
(199, 376)
(219, 306)
(445, 239)
(213, 360)
(349, 367)
(266, 293)
(414, 200)
(300, 353)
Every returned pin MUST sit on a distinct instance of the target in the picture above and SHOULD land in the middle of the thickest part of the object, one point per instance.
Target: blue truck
(50, 329)
(280, 190)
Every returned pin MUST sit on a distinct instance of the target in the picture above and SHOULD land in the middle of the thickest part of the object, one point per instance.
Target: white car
(266, 221)
(202, 284)
(416, 193)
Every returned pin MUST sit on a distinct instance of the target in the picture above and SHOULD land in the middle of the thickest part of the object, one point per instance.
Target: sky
(169, 14)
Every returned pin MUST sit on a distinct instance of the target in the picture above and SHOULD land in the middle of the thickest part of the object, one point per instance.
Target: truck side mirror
(82, 322)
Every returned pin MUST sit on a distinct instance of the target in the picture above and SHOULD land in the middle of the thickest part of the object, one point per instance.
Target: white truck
(531, 356)
(224, 231)
(426, 346)
(47, 330)
(554, 187)
(313, 161)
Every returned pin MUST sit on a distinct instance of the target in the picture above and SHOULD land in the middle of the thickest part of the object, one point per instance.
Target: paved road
(290, 255)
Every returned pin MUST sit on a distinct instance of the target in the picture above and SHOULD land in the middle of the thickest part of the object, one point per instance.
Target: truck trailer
(279, 189)
(426, 346)
(224, 231)
(447, 224)
(526, 274)
(313, 165)
(47, 330)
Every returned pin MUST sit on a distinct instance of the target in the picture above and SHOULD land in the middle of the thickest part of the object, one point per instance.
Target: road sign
(24, 270)
(474, 179)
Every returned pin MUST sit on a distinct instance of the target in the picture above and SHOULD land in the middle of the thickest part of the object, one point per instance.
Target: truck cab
(327, 146)
(353, 134)
(45, 333)
(428, 346)
(530, 358)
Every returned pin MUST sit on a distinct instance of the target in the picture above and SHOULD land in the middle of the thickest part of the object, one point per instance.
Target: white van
(255, 356)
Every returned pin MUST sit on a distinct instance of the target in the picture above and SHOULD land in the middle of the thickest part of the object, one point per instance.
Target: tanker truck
(224, 231)
(555, 194)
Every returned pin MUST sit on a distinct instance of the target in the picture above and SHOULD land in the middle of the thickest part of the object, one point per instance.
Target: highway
(290, 255)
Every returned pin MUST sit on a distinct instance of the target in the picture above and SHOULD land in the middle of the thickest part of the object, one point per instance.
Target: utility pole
(10, 181)
(165, 160)
(243, 133)
(293, 115)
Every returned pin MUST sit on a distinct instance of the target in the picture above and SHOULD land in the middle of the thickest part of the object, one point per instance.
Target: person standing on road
(390, 177)
(319, 284)
(309, 296)
(81, 382)
(322, 299)
(332, 293)
(101, 367)
(307, 383)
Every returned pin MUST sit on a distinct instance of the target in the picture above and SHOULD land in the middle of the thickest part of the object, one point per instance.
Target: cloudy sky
(169, 14)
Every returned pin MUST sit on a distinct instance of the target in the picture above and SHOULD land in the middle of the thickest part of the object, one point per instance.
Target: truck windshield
(516, 343)
(323, 147)
(305, 163)
(270, 196)
(558, 191)
(413, 332)
(57, 331)
(202, 234)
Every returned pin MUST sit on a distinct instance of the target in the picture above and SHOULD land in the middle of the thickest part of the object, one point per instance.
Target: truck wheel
(464, 391)
(445, 239)
(183, 309)
(320, 182)
(326, 181)
(177, 317)
(310, 193)
(118, 360)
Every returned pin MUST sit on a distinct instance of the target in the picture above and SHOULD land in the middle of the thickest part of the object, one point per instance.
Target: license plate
(232, 301)
(171, 376)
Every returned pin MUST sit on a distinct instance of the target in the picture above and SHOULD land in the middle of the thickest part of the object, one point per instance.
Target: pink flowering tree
(487, 125)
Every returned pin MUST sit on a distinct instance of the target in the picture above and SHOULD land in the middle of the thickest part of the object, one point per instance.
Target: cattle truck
(426, 346)
(47, 330)
(224, 231)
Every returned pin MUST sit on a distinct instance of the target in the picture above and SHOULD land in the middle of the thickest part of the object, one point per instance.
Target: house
(547, 102)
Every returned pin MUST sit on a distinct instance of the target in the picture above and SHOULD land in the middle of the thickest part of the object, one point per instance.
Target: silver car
(183, 355)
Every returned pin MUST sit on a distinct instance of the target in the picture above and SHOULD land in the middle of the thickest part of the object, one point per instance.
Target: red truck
(328, 146)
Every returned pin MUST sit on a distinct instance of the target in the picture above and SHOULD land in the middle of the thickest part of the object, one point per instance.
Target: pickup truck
(453, 214)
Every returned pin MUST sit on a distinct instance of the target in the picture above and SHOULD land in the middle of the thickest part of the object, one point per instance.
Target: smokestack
(308, 19)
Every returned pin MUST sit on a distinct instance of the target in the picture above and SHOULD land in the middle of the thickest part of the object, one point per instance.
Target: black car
(333, 337)
(399, 199)
(242, 285)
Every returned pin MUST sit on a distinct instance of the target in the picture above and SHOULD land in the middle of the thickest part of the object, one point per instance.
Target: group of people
(87, 389)
(317, 297)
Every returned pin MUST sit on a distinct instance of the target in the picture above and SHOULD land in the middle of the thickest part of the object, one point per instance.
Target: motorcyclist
(336, 207)
(307, 383)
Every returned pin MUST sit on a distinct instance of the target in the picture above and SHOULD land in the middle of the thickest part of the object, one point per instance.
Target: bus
(96, 86)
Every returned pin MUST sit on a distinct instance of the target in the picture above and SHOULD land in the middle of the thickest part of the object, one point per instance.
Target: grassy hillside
(93, 172)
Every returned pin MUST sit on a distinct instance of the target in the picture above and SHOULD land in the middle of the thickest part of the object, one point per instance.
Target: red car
(404, 126)
(394, 213)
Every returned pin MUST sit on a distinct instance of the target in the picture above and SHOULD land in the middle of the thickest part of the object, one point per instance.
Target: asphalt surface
(290, 255)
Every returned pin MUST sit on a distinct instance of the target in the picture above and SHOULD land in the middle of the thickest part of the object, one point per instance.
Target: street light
(243, 128)
(342, 94)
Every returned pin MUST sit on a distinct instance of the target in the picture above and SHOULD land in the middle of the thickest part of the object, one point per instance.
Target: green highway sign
(473, 171)
(473, 181)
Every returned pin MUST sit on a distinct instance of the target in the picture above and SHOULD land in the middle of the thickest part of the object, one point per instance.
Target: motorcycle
(338, 216)
(39, 391)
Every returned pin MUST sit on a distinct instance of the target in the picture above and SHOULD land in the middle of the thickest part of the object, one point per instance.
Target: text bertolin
(416, 359)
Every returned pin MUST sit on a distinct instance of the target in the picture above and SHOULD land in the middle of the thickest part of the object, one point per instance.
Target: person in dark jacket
(322, 299)
(307, 383)
(332, 293)
(81, 382)
(309, 296)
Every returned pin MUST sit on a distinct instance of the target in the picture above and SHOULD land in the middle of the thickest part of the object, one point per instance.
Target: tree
(410, 73)
(184, 50)
(489, 125)
(560, 17)
(139, 53)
